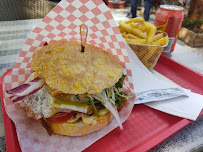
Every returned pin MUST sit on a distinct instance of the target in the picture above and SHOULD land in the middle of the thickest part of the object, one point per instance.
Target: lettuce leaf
(119, 84)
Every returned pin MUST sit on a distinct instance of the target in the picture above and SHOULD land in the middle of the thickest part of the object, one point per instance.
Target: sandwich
(73, 92)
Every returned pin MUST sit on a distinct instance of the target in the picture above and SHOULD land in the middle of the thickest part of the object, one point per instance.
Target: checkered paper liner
(62, 23)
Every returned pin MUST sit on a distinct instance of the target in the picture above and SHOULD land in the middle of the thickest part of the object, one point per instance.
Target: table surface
(13, 35)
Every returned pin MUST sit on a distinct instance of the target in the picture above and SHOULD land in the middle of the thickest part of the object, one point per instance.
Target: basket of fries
(144, 39)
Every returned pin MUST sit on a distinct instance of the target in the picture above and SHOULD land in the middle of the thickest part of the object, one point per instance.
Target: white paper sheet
(186, 104)
(186, 107)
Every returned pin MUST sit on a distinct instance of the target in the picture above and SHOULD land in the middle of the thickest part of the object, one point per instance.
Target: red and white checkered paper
(62, 23)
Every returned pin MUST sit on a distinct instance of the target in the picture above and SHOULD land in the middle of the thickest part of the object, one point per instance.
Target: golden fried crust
(79, 128)
(28, 110)
(65, 68)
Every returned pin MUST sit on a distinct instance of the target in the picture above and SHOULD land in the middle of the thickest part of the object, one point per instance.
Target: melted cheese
(74, 119)
(103, 112)
(90, 120)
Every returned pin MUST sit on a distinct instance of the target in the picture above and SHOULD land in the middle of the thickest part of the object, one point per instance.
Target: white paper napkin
(186, 104)
(185, 107)
(147, 86)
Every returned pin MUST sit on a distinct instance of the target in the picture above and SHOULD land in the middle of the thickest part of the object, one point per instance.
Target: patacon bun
(75, 82)
(65, 68)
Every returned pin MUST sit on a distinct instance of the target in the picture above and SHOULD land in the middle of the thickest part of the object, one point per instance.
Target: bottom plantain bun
(78, 128)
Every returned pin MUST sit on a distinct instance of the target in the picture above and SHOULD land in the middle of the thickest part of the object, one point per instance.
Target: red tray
(150, 126)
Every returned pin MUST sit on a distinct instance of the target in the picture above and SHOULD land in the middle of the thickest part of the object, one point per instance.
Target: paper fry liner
(63, 23)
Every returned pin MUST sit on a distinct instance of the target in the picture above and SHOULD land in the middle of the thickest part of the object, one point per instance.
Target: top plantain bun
(65, 68)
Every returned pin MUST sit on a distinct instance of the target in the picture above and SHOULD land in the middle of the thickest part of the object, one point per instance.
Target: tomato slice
(61, 117)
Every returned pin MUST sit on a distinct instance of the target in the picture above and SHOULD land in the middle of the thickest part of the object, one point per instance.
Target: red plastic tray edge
(153, 141)
(196, 78)
(9, 126)
(158, 138)
(10, 132)
(165, 57)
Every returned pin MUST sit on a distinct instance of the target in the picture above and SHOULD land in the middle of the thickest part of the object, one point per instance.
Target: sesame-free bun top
(65, 68)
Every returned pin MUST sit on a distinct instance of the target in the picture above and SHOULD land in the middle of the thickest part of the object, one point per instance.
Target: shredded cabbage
(109, 105)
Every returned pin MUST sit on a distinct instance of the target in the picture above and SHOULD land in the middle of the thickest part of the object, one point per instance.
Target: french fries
(151, 30)
(135, 20)
(131, 30)
(136, 31)
(129, 36)
(158, 36)
(141, 41)
(143, 27)
(134, 25)
(136, 28)
(161, 41)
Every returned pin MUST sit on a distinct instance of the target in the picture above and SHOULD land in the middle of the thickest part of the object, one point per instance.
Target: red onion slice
(25, 89)
(45, 44)
(18, 89)
(16, 98)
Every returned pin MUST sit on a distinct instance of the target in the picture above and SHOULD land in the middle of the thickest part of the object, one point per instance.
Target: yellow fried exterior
(79, 128)
(65, 68)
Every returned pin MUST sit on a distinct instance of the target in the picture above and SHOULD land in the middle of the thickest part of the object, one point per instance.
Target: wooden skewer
(83, 43)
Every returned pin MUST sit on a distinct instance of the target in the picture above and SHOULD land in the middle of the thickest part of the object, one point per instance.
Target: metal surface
(172, 7)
